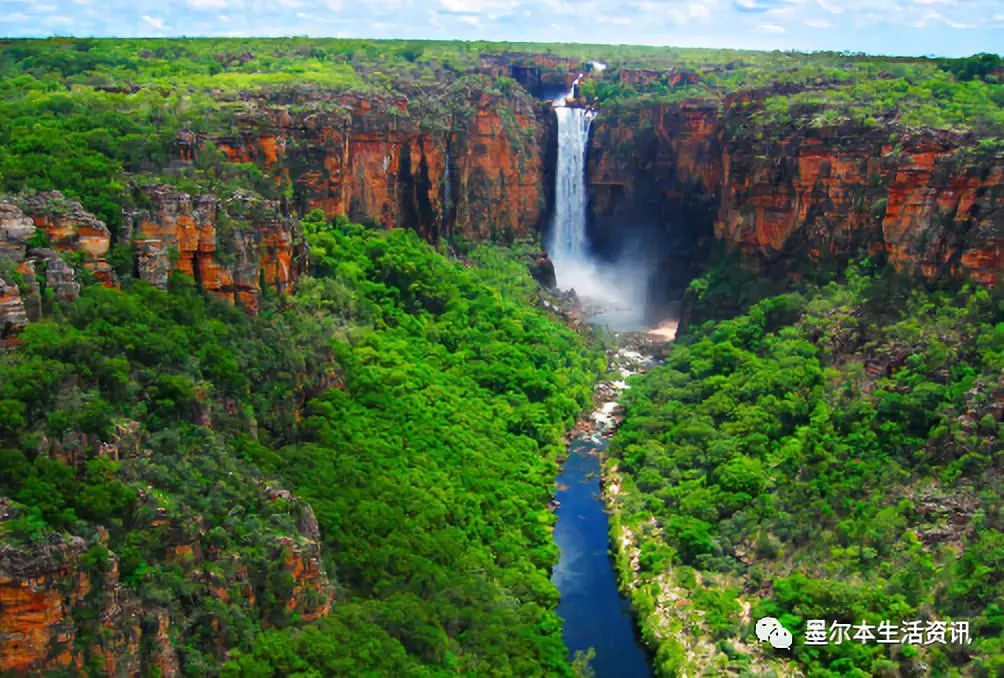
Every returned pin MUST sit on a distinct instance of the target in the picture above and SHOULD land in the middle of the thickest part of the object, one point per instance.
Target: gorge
(279, 394)
(596, 618)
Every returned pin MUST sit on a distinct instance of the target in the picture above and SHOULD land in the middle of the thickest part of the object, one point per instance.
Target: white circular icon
(769, 629)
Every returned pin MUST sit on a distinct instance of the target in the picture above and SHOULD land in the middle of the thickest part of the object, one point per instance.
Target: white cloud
(471, 20)
(830, 7)
(154, 21)
(561, 6)
(819, 23)
(208, 4)
(770, 28)
(698, 10)
(936, 16)
(14, 18)
(478, 6)
(684, 15)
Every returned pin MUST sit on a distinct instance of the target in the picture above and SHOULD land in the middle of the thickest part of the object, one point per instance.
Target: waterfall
(614, 292)
(569, 245)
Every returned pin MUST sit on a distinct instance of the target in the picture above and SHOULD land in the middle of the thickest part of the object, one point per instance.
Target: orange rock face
(934, 205)
(42, 589)
(934, 186)
(180, 233)
(71, 228)
(51, 603)
(498, 191)
(476, 172)
(12, 312)
(312, 593)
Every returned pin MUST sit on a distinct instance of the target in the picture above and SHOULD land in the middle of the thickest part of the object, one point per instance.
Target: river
(595, 614)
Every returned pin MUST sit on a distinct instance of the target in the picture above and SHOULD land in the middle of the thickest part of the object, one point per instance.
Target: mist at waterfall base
(614, 292)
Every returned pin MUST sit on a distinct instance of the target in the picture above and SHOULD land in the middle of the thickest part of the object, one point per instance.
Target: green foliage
(417, 402)
(815, 446)
(455, 398)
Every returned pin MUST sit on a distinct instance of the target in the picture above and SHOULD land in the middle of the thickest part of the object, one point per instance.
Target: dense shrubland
(833, 453)
(417, 407)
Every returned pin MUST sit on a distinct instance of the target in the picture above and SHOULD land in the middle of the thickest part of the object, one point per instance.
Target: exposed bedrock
(66, 613)
(470, 166)
(797, 198)
(653, 174)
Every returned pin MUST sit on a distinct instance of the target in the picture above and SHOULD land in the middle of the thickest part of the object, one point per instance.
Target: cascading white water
(568, 235)
(616, 291)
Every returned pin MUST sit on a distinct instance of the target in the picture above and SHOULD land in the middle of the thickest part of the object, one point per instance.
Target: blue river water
(591, 606)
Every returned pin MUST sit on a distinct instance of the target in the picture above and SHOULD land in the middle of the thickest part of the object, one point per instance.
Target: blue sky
(943, 27)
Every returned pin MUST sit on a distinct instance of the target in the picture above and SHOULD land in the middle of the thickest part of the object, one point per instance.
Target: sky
(906, 27)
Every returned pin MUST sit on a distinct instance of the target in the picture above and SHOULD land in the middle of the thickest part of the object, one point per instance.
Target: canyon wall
(467, 163)
(790, 199)
(234, 248)
(64, 608)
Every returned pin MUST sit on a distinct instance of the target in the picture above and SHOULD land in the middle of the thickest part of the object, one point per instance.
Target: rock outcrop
(70, 228)
(16, 228)
(24, 268)
(64, 608)
(469, 164)
(46, 592)
(542, 269)
(538, 73)
(801, 197)
(231, 248)
(12, 312)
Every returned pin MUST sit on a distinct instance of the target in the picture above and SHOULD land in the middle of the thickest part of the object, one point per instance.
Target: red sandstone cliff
(467, 163)
(60, 613)
(231, 249)
(45, 592)
(798, 197)
(70, 230)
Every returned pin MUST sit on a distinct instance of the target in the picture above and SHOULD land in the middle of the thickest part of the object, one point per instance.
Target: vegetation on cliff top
(91, 117)
(828, 455)
(418, 408)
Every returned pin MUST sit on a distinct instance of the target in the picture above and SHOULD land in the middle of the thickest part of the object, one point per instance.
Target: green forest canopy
(833, 454)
